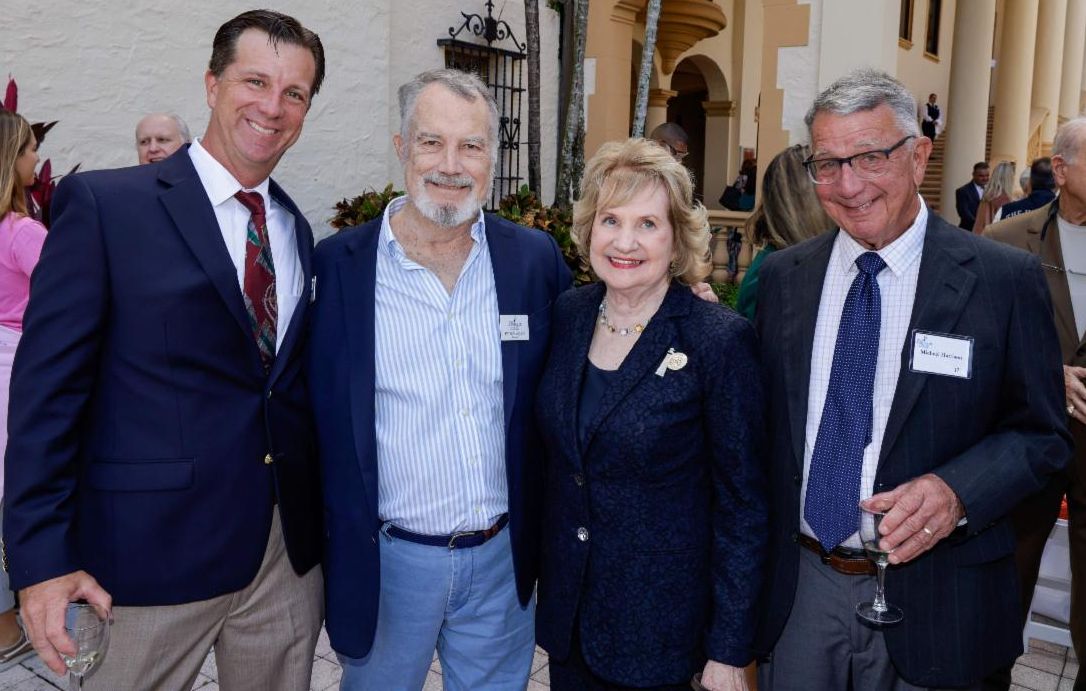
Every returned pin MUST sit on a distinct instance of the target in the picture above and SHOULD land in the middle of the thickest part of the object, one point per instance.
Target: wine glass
(879, 611)
(90, 633)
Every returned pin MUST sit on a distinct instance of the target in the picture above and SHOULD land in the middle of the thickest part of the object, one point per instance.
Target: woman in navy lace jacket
(654, 528)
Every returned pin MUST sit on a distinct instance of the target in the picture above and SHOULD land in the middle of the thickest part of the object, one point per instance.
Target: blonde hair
(15, 136)
(621, 170)
(789, 211)
(1001, 182)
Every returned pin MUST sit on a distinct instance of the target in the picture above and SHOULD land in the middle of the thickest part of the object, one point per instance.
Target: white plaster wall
(98, 65)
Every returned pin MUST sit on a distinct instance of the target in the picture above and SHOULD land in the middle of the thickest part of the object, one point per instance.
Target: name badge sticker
(944, 354)
(514, 327)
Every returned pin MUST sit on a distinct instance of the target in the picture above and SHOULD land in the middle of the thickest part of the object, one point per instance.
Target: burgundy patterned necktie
(259, 284)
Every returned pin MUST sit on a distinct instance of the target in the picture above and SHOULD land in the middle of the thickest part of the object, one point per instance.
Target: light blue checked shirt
(439, 409)
(897, 286)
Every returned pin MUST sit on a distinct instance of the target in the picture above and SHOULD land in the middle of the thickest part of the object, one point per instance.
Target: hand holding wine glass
(879, 611)
(89, 632)
(43, 608)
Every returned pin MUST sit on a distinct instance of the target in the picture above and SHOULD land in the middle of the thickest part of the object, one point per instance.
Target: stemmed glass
(90, 633)
(879, 611)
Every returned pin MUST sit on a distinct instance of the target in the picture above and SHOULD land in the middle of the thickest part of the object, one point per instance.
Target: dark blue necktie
(833, 480)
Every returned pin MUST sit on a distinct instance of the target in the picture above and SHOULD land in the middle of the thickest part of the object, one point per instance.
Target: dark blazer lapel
(357, 273)
(187, 204)
(571, 359)
(303, 238)
(801, 290)
(506, 260)
(645, 356)
(943, 288)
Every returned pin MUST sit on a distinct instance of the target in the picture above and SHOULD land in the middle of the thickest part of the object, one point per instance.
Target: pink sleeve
(26, 244)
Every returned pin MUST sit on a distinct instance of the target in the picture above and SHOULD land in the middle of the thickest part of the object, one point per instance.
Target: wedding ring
(928, 531)
(1070, 409)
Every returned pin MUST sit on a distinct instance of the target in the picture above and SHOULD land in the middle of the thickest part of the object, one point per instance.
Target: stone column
(1074, 43)
(967, 104)
(1014, 79)
(657, 113)
(717, 149)
(1046, 66)
(608, 49)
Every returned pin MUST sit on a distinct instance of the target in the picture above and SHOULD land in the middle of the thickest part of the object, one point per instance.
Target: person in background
(654, 521)
(789, 213)
(999, 190)
(931, 118)
(21, 240)
(1042, 190)
(160, 134)
(967, 197)
(672, 137)
(1023, 183)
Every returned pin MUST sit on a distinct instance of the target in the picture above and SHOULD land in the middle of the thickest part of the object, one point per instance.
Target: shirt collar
(218, 183)
(899, 255)
(387, 240)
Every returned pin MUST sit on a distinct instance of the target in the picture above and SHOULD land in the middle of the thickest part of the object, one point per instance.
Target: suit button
(579, 479)
(582, 534)
(798, 479)
(269, 394)
(268, 459)
(795, 537)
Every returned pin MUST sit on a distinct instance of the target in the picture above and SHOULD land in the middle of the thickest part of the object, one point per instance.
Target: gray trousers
(824, 643)
(264, 634)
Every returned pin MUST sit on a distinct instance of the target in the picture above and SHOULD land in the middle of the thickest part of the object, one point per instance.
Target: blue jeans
(464, 603)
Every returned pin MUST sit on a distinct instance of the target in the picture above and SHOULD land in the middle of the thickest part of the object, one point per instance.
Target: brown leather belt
(846, 561)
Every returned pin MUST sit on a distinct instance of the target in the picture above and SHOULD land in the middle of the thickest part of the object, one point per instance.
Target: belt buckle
(456, 536)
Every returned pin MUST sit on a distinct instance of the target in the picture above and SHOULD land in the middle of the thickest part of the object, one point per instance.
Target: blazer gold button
(267, 459)
(578, 479)
(582, 534)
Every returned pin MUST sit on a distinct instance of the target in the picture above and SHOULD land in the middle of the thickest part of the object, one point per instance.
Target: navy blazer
(966, 201)
(529, 273)
(669, 487)
(142, 423)
(993, 438)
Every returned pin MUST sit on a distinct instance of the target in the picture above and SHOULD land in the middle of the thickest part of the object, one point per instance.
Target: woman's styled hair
(1001, 182)
(789, 211)
(619, 172)
(15, 136)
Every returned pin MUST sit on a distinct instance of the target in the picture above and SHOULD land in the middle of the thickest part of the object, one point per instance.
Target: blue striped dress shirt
(439, 409)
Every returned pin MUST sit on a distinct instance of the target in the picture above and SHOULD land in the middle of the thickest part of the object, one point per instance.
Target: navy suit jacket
(141, 419)
(670, 488)
(529, 273)
(966, 201)
(993, 438)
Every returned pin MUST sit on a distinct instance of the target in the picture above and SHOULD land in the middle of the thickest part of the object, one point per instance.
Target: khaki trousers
(263, 635)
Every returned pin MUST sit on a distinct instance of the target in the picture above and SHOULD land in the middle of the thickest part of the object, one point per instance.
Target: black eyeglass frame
(848, 159)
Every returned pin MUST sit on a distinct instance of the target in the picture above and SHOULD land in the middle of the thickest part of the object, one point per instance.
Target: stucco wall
(924, 75)
(98, 65)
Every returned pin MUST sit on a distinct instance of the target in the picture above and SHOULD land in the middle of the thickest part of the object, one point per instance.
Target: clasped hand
(920, 513)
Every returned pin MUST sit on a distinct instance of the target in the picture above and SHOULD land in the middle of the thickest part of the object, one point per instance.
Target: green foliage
(727, 292)
(524, 207)
(365, 207)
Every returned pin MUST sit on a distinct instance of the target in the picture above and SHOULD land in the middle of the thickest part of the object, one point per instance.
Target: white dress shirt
(897, 289)
(233, 219)
(440, 413)
(1073, 246)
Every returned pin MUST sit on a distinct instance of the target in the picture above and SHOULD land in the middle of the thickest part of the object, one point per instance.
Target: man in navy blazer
(428, 337)
(161, 462)
(967, 197)
(962, 417)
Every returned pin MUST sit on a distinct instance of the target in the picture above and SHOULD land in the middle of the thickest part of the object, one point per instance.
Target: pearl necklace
(606, 323)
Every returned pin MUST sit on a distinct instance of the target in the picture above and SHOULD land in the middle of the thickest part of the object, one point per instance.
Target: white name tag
(945, 354)
(514, 327)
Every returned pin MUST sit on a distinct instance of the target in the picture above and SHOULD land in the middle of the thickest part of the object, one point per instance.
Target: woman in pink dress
(21, 239)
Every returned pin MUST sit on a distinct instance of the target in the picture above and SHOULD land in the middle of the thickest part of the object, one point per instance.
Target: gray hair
(863, 90)
(1070, 138)
(466, 85)
(182, 128)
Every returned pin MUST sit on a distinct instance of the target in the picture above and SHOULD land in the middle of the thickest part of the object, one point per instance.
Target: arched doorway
(701, 107)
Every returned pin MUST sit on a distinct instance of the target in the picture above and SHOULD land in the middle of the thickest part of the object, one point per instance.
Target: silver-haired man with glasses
(914, 371)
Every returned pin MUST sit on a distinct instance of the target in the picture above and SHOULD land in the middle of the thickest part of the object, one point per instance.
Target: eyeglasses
(867, 165)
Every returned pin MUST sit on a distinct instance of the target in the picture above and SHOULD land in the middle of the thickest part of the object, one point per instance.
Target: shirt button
(268, 459)
(582, 534)
(464, 412)
(579, 479)
(458, 363)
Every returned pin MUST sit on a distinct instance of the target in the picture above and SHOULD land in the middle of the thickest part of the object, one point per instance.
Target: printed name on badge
(514, 327)
(944, 354)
